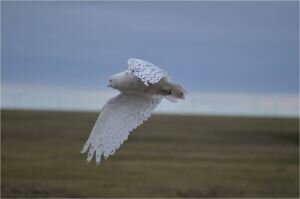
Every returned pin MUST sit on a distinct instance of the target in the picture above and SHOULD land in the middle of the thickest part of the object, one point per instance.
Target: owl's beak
(109, 83)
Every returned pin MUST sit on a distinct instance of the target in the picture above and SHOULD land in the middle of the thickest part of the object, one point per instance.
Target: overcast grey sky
(233, 46)
(59, 55)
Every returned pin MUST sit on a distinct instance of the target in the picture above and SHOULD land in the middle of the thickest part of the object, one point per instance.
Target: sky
(211, 48)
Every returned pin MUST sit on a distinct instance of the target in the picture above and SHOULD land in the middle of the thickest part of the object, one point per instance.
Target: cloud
(40, 97)
(206, 46)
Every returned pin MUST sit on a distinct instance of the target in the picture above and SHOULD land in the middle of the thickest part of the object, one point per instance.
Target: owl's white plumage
(147, 72)
(142, 87)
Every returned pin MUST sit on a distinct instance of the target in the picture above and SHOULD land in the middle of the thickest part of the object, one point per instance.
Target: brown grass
(169, 156)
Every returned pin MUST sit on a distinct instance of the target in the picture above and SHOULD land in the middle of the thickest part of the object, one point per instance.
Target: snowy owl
(142, 87)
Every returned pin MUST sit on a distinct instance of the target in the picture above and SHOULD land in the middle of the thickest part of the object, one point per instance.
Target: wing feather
(146, 71)
(119, 116)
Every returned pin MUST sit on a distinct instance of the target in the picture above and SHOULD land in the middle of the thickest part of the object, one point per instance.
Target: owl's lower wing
(119, 116)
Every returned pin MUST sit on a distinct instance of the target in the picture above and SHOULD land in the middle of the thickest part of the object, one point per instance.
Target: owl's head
(118, 81)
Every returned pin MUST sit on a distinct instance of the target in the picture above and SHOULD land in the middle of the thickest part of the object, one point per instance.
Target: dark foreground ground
(169, 156)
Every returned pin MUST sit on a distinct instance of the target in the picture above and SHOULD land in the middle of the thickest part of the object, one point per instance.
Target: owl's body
(142, 87)
(127, 82)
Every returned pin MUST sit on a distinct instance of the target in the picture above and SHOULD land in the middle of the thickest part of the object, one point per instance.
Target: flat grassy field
(168, 156)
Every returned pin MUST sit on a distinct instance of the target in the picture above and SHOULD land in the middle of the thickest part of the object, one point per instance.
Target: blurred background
(236, 134)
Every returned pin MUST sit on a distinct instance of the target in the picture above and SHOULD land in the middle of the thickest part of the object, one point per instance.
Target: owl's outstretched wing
(119, 116)
(145, 71)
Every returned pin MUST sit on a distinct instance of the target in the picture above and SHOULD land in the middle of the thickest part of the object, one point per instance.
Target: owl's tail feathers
(172, 91)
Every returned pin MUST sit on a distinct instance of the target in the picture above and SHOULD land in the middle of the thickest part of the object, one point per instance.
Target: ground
(168, 156)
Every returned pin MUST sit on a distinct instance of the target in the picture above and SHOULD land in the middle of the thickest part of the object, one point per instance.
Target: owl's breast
(130, 83)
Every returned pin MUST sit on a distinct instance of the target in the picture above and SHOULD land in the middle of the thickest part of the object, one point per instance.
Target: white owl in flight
(142, 87)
